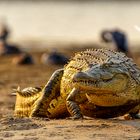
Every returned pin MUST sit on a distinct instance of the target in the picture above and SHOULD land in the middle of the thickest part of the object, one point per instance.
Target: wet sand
(32, 129)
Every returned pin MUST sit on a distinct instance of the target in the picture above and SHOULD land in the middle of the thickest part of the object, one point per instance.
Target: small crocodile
(96, 83)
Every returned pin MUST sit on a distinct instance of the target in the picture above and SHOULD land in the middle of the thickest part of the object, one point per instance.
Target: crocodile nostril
(106, 76)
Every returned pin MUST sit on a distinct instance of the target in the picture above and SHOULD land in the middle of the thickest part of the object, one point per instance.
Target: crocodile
(98, 83)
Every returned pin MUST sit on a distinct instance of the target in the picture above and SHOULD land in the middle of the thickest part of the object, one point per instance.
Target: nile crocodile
(95, 83)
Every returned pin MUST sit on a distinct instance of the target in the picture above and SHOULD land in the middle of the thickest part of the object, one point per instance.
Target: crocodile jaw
(110, 85)
(104, 92)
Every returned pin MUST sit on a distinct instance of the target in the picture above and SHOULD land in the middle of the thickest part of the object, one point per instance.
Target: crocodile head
(109, 77)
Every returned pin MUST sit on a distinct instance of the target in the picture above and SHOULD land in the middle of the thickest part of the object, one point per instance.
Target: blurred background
(69, 20)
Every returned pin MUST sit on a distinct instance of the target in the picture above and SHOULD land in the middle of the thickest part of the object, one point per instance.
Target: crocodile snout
(85, 76)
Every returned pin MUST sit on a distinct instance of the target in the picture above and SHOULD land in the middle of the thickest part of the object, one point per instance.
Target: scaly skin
(95, 83)
(42, 102)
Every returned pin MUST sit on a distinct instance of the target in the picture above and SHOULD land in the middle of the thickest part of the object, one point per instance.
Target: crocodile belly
(110, 99)
(91, 110)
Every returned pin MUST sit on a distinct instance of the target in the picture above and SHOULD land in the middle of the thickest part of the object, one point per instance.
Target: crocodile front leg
(49, 92)
(72, 102)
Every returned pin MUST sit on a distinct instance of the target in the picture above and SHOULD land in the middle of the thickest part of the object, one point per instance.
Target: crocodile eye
(106, 76)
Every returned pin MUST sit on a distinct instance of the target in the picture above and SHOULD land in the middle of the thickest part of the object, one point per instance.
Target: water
(70, 20)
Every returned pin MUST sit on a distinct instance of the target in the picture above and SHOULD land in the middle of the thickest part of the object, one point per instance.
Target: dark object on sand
(54, 58)
(4, 31)
(119, 38)
(23, 59)
(8, 49)
(5, 47)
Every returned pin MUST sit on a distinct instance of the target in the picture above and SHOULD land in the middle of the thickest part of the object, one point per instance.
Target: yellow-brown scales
(96, 83)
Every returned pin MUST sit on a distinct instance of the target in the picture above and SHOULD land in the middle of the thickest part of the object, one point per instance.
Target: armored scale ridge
(95, 83)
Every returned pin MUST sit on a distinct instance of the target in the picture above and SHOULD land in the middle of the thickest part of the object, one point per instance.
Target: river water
(70, 20)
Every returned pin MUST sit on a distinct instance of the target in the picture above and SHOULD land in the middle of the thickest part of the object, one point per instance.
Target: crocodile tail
(25, 99)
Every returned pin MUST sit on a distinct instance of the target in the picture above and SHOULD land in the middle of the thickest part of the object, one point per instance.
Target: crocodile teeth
(86, 82)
